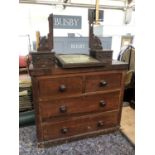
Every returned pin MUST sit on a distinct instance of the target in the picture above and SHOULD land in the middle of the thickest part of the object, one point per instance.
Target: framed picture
(77, 60)
(126, 40)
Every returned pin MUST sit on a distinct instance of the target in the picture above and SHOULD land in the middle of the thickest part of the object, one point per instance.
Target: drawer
(101, 82)
(59, 87)
(82, 104)
(79, 125)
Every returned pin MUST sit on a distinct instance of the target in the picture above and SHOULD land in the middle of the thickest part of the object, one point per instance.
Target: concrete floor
(109, 144)
(128, 123)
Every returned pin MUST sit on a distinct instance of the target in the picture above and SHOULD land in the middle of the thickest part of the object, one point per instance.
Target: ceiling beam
(71, 4)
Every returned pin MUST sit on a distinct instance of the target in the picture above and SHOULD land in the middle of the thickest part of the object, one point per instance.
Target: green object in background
(26, 118)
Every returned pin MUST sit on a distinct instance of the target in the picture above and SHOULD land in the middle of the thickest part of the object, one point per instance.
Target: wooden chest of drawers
(76, 103)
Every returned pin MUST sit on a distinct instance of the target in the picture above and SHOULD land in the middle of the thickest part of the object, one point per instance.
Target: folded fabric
(22, 62)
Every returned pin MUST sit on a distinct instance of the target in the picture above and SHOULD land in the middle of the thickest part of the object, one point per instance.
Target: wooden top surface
(57, 70)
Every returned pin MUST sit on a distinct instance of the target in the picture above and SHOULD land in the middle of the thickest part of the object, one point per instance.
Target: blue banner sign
(66, 22)
(66, 45)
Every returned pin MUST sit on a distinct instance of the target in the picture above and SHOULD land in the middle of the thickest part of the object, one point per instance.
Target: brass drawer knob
(102, 103)
(103, 83)
(100, 124)
(62, 88)
(63, 109)
(64, 130)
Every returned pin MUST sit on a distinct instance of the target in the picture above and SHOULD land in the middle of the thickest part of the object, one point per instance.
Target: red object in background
(22, 62)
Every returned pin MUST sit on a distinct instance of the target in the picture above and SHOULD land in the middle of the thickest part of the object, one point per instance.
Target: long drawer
(103, 81)
(81, 104)
(59, 87)
(79, 125)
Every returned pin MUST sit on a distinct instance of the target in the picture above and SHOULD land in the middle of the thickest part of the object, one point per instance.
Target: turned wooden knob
(102, 103)
(62, 88)
(64, 130)
(103, 83)
(63, 109)
(100, 124)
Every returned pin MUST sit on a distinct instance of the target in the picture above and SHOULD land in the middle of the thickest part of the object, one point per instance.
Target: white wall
(114, 26)
(33, 18)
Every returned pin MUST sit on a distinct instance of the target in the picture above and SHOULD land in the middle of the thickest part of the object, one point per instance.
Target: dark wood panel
(71, 103)
(60, 140)
(56, 70)
(78, 105)
(59, 87)
(121, 95)
(78, 125)
(36, 107)
(101, 82)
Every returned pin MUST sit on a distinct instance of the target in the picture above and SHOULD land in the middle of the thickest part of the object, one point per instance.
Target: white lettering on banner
(76, 21)
(65, 22)
(73, 22)
(77, 46)
(68, 22)
(57, 21)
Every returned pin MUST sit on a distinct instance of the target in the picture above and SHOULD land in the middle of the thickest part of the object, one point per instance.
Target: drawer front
(83, 104)
(101, 82)
(79, 125)
(59, 87)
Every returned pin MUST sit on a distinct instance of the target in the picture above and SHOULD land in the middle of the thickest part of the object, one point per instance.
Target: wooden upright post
(37, 39)
(97, 12)
(50, 34)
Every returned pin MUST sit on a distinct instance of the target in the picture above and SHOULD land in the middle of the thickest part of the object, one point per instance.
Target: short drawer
(82, 104)
(79, 125)
(101, 82)
(59, 87)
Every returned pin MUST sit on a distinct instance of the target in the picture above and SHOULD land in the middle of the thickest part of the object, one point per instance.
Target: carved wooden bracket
(46, 43)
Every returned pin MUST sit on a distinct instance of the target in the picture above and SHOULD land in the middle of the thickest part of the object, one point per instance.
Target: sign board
(78, 45)
(92, 15)
(66, 22)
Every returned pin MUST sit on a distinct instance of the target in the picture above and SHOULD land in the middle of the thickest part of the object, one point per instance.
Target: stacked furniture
(25, 93)
(26, 109)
